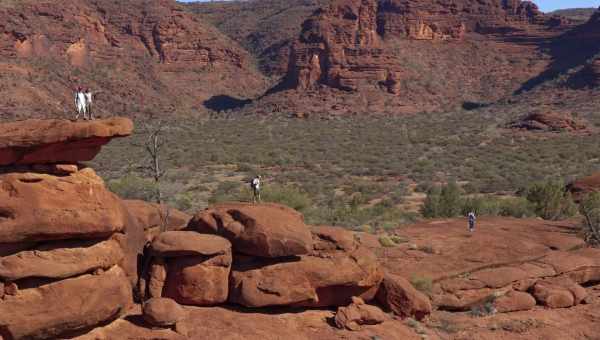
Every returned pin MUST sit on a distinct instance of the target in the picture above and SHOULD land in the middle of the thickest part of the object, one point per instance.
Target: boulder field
(76, 261)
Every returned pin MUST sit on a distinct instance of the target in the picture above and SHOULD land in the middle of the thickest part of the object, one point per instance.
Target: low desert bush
(422, 283)
(590, 210)
(133, 187)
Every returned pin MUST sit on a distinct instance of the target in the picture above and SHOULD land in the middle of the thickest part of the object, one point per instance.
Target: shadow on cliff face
(225, 102)
(570, 50)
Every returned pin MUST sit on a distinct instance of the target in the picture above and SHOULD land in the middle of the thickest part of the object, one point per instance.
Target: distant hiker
(255, 185)
(80, 103)
(88, 103)
(471, 217)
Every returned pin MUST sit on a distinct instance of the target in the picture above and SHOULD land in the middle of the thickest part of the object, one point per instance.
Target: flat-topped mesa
(38, 141)
(344, 46)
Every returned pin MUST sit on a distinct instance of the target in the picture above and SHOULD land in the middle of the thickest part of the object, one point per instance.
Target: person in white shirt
(80, 104)
(88, 102)
(255, 185)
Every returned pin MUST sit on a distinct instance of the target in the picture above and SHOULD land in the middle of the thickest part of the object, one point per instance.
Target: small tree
(590, 210)
(431, 206)
(153, 145)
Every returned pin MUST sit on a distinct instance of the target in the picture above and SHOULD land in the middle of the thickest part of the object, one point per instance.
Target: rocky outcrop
(57, 141)
(154, 218)
(584, 186)
(40, 207)
(308, 280)
(342, 46)
(554, 281)
(65, 264)
(66, 306)
(190, 268)
(357, 314)
(58, 260)
(266, 230)
(549, 121)
(162, 312)
(399, 296)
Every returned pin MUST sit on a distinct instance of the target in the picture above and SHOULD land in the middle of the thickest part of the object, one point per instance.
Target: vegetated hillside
(580, 15)
(266, 28)
(404, 56)
(143, 55)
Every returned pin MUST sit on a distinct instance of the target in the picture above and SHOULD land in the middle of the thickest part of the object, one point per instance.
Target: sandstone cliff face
(143, 52)
(342, 47)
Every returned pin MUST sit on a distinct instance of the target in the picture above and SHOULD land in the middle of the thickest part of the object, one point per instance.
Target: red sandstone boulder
(189, 243)
(266, 230)
(65, 306)
(196, 280)
(57, 141)
(514, 301)
(399, 296)
(559, 292)
(315, 281)
(151, 216)
(162, 312)
(61, 260)
(333, 238)
(37, 207)
(357, 314)
(584, 186)
(190, 268)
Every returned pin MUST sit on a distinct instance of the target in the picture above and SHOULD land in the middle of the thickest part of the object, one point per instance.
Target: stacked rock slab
(280, 261)
(61, 231)
(555, 281)
(190, 268)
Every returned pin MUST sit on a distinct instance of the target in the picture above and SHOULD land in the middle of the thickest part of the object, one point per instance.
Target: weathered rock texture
(584, 186)
(342, 46)
(308, 280)
(190, 268)
(61, 260)
(357, 314)
(399, 296)
(162, 312)
(57, 141)
(38, 207)
(66, 306)
(266, 230)
(153, 217)
(68, 252)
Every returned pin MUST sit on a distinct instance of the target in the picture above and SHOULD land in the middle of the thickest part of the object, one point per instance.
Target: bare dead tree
(153, 145)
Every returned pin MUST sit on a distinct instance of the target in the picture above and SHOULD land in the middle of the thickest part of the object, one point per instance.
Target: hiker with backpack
(471, 217)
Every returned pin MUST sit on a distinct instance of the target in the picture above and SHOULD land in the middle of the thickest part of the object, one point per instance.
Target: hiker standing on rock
(471, 217)
(255, 185)
(88, 103)
(80, 103)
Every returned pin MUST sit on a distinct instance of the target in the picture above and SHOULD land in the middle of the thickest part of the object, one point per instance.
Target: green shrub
(516, 207)
(422, 283)
(133, 187)
(289, 195)
(386, 241)
(443, 202)
(551, 201)
(398, 239)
